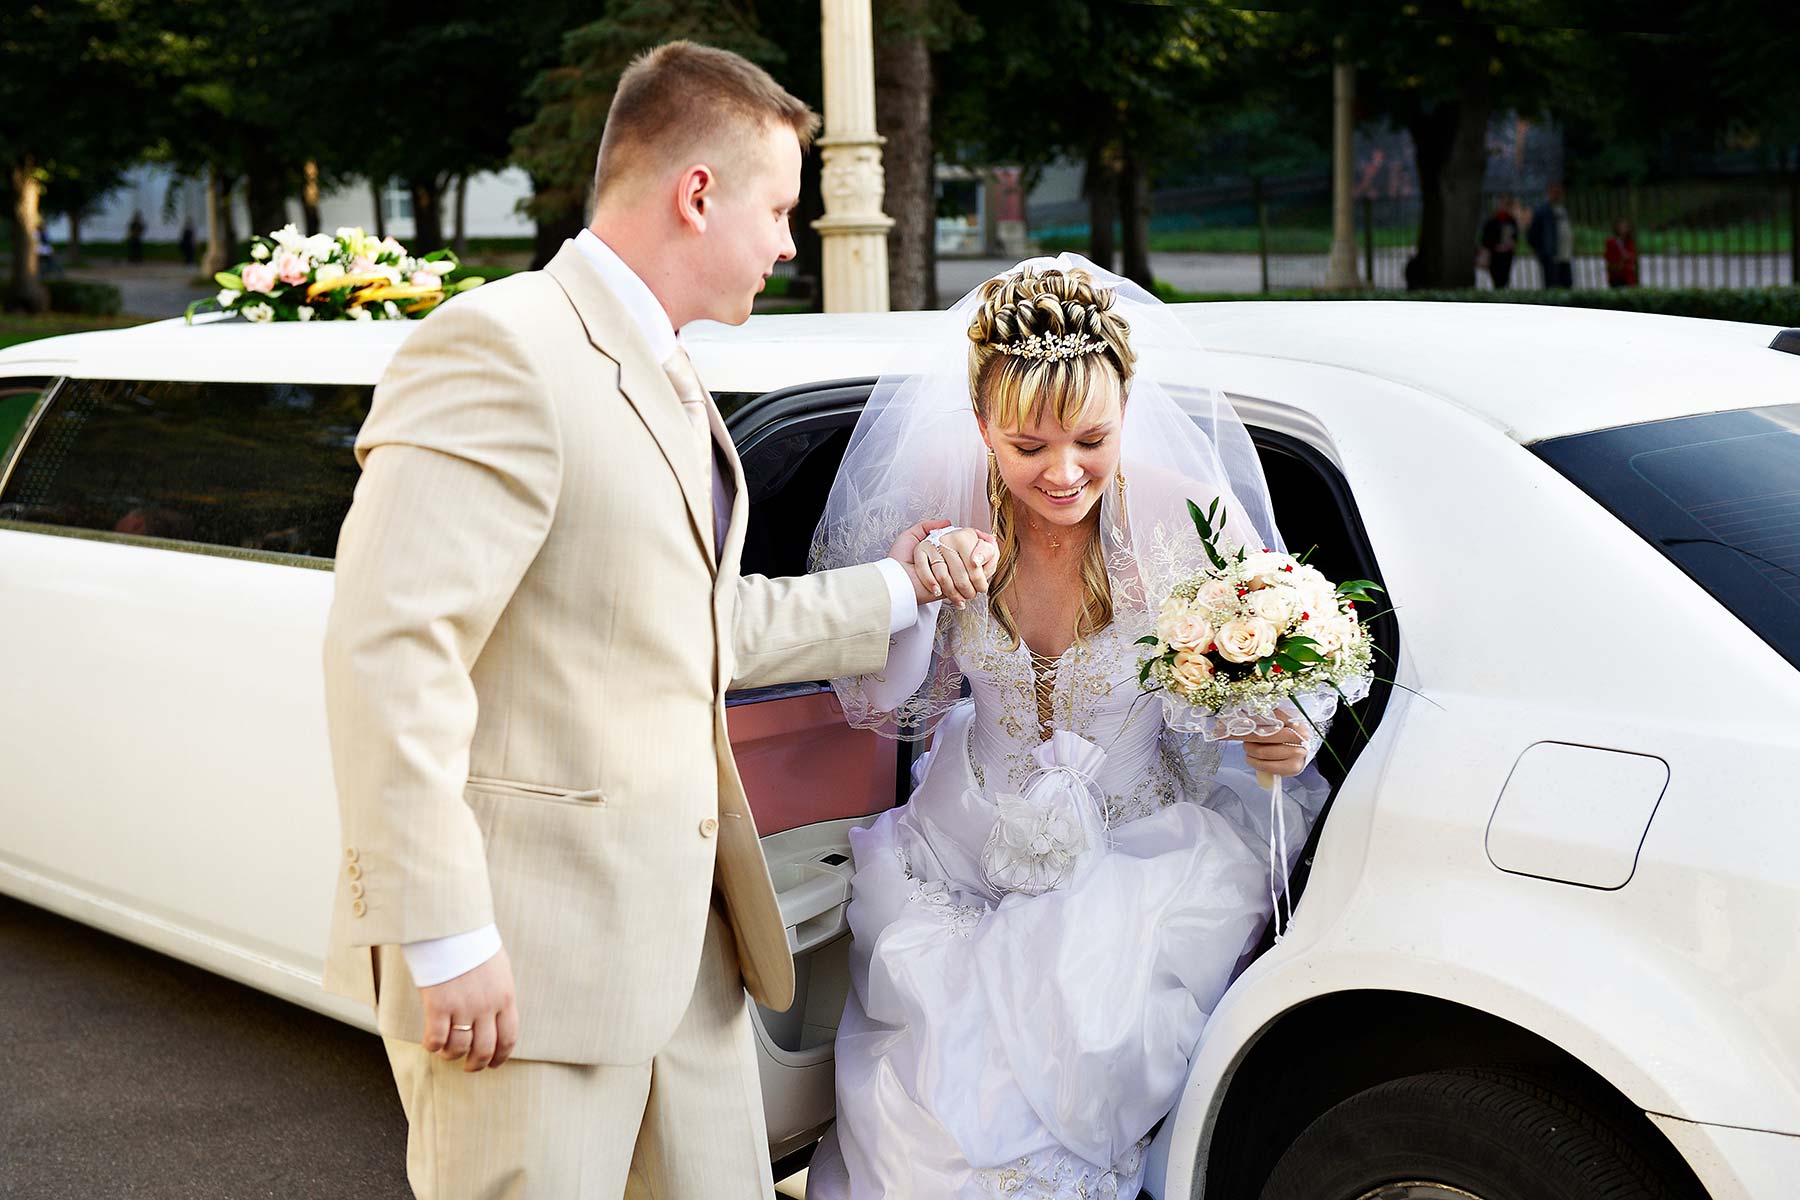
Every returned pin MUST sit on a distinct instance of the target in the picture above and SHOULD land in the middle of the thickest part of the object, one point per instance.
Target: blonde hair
(682, 98)
(1015, 371)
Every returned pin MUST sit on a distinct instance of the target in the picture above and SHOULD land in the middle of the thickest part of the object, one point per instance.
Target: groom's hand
(956, 570)
(481, 999)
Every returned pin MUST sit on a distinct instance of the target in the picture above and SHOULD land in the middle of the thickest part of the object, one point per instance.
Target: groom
(549, 862)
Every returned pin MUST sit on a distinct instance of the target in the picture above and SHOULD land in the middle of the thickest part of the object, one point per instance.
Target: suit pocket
(488, 785)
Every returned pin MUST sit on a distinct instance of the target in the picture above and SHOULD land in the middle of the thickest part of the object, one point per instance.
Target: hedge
(79, 297)
(1758, 306)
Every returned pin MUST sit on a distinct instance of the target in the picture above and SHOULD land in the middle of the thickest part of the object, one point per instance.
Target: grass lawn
(17, 327)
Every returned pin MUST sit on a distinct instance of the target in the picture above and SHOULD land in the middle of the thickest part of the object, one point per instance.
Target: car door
(165, 555)
(810, 777)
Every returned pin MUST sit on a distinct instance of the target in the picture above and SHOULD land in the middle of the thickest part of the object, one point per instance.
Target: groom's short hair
(681, 98)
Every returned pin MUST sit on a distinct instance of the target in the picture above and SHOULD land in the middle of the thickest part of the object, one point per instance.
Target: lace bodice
(1091, 690)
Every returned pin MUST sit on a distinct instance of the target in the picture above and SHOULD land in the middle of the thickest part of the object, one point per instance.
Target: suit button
(350, 854)
(360, 907)
(709, 826)
(353, 871)
(356, 889)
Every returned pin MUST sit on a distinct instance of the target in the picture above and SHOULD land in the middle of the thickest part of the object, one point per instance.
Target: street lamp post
(853, 232)
(1340, 272)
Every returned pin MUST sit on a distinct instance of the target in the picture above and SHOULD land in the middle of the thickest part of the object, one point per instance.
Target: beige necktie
(680, 370)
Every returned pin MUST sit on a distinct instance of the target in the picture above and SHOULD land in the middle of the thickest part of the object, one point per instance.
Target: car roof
(1534, 371)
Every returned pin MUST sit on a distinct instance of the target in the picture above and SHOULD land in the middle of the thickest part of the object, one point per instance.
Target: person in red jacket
(1621, 256)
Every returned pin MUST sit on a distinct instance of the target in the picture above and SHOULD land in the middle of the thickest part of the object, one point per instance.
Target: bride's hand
(956, 570)
(1282, 753)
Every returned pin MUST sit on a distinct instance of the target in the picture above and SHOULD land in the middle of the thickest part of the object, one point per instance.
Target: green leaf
(463, 285)
(1309, 553)
(1202, 526)
(197, 306)
(1144, 672)
(1350, 586)
(1148, 640)
(226, 279)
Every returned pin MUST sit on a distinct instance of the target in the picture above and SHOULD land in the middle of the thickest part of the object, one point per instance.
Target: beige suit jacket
(526, 665)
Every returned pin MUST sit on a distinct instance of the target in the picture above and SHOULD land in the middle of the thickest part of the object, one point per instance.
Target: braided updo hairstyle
(1010, 382)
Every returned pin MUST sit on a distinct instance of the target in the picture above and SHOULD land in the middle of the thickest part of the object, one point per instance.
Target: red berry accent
(1288, 567)
(1277, 670)
(1306, 616)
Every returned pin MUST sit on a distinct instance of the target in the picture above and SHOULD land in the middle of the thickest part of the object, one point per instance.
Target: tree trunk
(74, 255)
(903, 117)
(309, 196)
(378, 190)
(1100, 183)
(218, 225)
(265, 193)
(1134, 206)
(1450, 146)
(462, 214)
(26, 291)
(428, 214)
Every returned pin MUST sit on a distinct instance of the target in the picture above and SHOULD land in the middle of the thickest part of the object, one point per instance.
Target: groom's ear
(694, 196)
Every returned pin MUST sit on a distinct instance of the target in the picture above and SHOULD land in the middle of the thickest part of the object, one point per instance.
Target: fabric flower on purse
(1050, 833)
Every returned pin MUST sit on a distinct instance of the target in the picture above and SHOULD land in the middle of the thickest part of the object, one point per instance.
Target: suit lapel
(740, 496)
(642, 382)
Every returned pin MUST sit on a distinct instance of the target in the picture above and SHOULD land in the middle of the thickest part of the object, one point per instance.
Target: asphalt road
(124, 1073)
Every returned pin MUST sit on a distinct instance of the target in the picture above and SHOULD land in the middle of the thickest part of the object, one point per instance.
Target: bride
(1041, 932)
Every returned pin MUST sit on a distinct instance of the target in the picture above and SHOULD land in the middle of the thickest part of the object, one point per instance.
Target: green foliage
(84, 299)
(557, 146)
(1758, 306)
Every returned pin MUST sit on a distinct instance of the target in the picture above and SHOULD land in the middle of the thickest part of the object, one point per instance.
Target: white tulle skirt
(1026, 1048)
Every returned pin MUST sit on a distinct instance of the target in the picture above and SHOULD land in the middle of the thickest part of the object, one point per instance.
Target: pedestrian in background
(187, 241)
(1552, 238)
(1499, 242)
(1621, 255)
(134, 238)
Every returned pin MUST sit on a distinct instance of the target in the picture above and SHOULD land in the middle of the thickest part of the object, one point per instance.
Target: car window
(261, 467)
(1719, 494)
(17, 398)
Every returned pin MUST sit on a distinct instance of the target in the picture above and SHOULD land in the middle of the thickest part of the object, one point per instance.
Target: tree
(64, 72)
(1114, 86)
(559, 143)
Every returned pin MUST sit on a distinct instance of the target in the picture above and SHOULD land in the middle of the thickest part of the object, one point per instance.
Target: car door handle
(819, 893)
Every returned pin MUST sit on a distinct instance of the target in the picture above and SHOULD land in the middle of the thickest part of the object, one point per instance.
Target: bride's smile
(1058, 473)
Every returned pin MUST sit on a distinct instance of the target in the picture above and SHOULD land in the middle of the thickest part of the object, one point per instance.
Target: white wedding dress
(1042, 931)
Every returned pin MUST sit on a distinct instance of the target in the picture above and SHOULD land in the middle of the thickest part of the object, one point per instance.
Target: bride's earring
(1121, 485)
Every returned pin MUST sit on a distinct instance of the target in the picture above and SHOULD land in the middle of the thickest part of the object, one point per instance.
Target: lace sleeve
(920, 683)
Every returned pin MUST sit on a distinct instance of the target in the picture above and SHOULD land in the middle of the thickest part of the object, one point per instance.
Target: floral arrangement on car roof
(349, 275)
(1256, 632)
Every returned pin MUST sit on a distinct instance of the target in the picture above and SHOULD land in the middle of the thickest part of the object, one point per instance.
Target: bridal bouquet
(348, 275)
(1256, 634)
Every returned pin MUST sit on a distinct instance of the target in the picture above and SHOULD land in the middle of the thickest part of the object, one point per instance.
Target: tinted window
(16, 399)
(251, 466)
(1718, 494)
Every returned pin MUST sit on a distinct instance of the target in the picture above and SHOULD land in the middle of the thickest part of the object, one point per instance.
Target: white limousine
(1546, 944)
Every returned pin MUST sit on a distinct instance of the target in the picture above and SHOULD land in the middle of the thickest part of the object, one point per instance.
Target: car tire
(1451, 1135)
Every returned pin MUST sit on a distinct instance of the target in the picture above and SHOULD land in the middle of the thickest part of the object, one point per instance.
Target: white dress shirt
(437, 959)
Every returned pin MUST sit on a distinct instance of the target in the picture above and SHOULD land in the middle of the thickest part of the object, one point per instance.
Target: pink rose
(426, 279)
(362, 265)
(1216, 594)
(259, 277)
(1187, 631)
(291, 268)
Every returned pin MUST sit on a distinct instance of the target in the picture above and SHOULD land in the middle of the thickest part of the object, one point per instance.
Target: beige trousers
(687, 1125)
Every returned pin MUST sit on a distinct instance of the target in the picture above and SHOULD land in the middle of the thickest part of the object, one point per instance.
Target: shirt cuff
(436, 959)
(903, 605)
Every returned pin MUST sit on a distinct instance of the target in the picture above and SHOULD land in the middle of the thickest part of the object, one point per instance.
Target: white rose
(1275, 605)
(328, 271)
(1317, 600)
(320, 246)
(259, 252)
(390, 274)
(228, 297)
(1185, 630)
(258, 312)
(306, 313)
(1245, 639)
(1216, 595)
(1267, 566)
(1191, 670)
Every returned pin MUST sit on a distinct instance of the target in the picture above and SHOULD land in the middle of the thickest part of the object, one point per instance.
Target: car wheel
(1462, 1135)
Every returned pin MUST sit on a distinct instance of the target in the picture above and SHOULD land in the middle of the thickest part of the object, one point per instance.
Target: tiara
(1052, 347)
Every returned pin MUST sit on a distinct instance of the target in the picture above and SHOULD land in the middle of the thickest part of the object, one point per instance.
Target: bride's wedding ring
(463, 1028)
